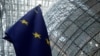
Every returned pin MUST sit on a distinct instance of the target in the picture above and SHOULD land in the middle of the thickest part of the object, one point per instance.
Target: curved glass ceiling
(73, 25)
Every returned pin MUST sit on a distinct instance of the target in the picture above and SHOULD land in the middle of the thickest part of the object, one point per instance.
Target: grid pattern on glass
(73, 25)
(79, 28)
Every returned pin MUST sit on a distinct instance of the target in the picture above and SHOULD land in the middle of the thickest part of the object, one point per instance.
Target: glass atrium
(73, 25)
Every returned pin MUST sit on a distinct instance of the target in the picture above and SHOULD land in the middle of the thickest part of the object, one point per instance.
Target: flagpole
(36, 10)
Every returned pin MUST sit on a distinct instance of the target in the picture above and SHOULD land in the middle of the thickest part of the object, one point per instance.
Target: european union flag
(29, 35)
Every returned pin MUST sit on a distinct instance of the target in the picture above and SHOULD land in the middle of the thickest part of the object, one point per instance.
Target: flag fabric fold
(29, 35)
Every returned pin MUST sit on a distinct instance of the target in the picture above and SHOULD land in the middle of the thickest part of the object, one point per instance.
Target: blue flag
(29, 35)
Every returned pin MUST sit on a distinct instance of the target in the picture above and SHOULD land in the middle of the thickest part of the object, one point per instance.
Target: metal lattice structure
(74, 28)
(73, 25)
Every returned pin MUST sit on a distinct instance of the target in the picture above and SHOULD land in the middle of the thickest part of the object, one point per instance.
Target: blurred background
(73, 25)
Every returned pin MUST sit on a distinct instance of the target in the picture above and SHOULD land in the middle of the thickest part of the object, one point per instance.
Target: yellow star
(47, 41)
(24, 22)
(36, 35)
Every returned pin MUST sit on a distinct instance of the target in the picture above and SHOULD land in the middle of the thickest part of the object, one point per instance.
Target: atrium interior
(73, 25)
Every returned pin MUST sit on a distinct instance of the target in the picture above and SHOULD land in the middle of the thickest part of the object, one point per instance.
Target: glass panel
(67, 23)
(95, 9)
(82, 19)
(70, 30)
(61, 41)
(91, 3)
(67, 45)
(97, 38)
(97, 53)
(74, 16)
(55, 51)
(91, 48)
(82, 39)
(88, 23)
(81, 53)
(93, 29)
(72, 50)
(62, 53)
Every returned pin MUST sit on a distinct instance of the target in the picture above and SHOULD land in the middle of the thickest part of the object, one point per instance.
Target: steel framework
(73, 25)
